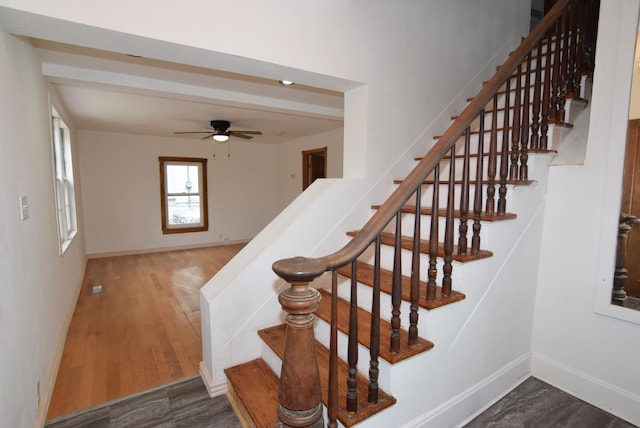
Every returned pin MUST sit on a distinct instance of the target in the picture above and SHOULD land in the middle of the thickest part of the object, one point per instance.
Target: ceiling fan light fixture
(221, 137)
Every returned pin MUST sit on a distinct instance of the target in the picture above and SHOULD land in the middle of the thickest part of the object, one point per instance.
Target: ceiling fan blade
(207, 137)
(192, 132)
(247, 132)
(240, 135)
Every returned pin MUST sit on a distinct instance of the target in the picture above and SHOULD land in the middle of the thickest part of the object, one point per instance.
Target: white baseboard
(214, 389)
(164, 249)
(487, 391)
(597, 392)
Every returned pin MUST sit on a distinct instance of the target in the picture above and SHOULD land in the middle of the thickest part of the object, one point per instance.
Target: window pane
(184, 210)
(182, 179)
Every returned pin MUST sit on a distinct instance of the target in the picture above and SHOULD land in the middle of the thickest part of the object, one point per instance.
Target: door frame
(307, 165)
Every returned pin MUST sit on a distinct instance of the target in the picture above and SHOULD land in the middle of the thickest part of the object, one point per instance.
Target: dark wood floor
(143, 330)
(181, 404)
(533, 404)
(537, 404)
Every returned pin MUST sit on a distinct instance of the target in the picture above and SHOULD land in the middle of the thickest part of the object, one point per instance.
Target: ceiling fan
(220, 132)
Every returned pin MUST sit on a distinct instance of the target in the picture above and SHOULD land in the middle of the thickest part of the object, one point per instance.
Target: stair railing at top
(546, 69)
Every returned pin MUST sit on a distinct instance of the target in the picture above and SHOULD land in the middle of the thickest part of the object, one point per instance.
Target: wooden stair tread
(406, 243)
(411, 209)
(274, 337)
(365, 276)
(256, 387)
(364, 329)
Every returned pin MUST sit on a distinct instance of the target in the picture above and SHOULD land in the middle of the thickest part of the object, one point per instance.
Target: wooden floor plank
(142, 331)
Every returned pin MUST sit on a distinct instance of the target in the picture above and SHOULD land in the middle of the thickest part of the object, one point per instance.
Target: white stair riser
(408, 225)
(322, 334)
(387, 257)
(427, 196)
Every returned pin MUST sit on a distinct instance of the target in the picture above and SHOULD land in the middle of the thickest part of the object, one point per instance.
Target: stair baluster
(534, 142)
(374, 352)
(396, 290)
(477, 200)
(332, 393)
(580, 36)
(564, 65)
(433, 236)
(464, 195)
(352, 379)
(504, 157)
(523, 172)
(546, 94)
(493, 159)
(515, 126)
(555, 77)
(572, 81)
(447, 268)
(415, 270)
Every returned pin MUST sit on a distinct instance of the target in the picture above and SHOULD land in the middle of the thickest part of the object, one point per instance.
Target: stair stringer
(482, 343)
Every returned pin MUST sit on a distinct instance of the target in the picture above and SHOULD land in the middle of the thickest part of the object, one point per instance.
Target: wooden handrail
(566, 25)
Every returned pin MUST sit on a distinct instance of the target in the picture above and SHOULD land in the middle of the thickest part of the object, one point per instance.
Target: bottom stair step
(274, 337)
(253, 393)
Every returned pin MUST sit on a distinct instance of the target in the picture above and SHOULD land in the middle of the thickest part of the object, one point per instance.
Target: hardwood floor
(143, 330)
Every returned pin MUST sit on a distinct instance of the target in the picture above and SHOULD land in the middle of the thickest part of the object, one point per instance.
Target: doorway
(631, 206)
(314, 165)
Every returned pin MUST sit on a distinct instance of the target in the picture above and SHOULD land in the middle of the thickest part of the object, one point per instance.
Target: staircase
(484, 175)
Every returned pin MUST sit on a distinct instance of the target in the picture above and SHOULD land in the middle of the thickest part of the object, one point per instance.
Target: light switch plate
(24, 207)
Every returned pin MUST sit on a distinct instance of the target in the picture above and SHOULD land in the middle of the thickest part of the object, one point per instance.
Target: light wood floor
(142, 331)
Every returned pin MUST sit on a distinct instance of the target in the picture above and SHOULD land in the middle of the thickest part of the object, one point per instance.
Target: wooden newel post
(619, 295)
(300, 395)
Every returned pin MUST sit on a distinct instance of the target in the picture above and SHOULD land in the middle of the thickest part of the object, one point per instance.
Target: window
(183, 194)
(64, 184)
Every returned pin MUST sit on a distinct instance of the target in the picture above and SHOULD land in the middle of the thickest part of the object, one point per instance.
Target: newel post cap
(299, 269)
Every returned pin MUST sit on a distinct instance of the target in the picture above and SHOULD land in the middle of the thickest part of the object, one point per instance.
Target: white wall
(289, 169)
(403, 69)
(121, 191)
(581, 343)
(392, 50)
(38, 286)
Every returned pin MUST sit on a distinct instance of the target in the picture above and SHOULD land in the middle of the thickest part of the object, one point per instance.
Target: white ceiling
(114, 92)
